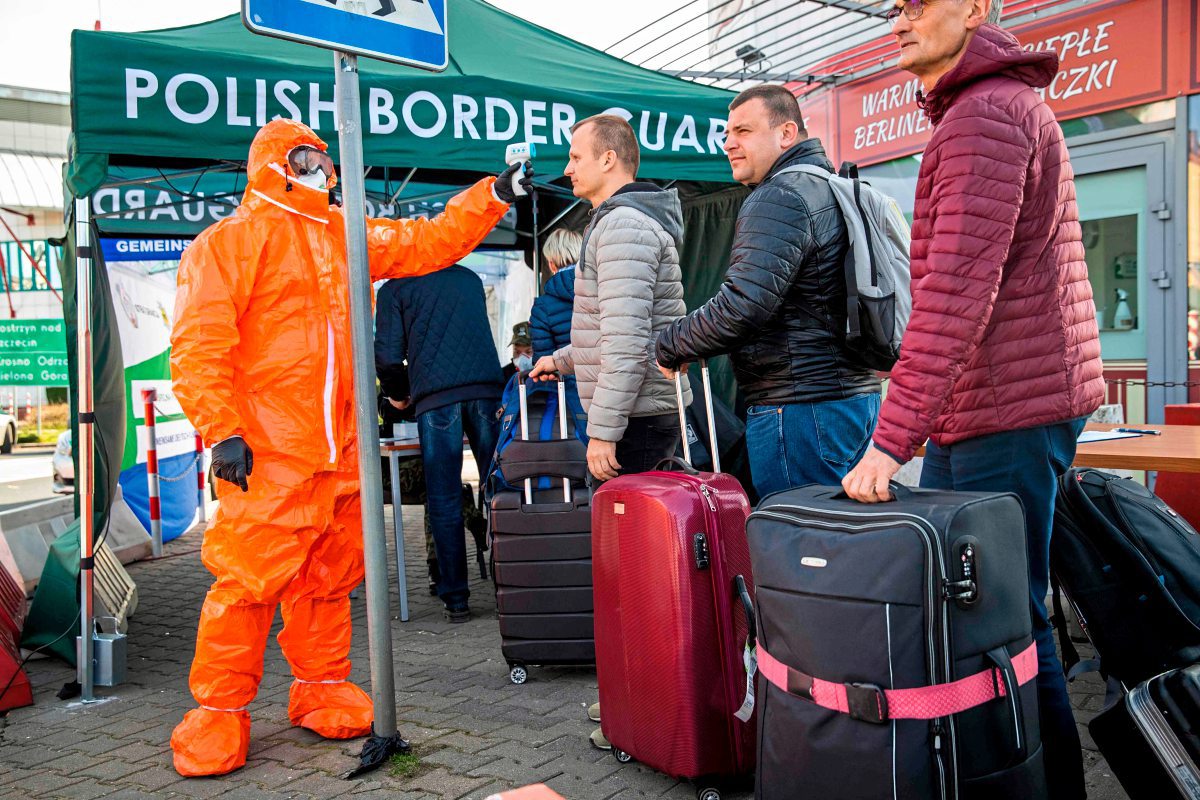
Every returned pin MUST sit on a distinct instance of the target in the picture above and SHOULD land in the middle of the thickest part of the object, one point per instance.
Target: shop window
(1120, 118)
(1110, 247)
(1112, 215)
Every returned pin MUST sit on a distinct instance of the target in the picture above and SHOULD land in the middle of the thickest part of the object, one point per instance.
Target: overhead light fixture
(749, 54)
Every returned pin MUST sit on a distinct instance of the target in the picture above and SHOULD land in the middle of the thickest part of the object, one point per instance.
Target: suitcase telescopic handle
(713, 446)
(523, 395)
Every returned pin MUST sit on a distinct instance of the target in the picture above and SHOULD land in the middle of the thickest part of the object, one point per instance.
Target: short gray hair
(562, 247)
(994, 12)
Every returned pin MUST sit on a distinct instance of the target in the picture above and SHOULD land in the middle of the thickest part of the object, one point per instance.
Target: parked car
(63, 465)
(9, 424)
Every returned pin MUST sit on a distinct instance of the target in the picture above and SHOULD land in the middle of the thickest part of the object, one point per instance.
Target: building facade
(34, 128)
(1128, 98)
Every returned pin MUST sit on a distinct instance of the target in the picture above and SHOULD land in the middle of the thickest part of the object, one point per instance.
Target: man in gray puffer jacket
(628, 288)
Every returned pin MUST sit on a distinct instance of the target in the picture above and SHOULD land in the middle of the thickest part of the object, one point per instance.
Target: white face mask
(313, 180)
(523, 362)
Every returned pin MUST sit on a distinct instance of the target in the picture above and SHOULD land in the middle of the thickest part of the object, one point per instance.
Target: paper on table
(1104, 436)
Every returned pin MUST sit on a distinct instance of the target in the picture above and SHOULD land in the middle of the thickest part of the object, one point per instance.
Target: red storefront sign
(818, 116)
(1194, 45)
(1112, 55)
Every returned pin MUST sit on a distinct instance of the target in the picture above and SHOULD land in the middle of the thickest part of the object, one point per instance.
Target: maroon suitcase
(671, 627)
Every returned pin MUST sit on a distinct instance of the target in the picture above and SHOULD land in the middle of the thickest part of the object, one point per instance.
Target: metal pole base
(377, 751)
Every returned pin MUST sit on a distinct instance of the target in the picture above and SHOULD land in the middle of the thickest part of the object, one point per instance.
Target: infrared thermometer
(519, 153)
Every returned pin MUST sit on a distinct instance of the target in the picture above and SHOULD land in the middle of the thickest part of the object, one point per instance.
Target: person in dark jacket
(1000, 364)
(434, 349)
(781, 311)
(550, 320)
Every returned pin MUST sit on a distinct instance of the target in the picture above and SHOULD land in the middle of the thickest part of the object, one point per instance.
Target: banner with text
(141, 273)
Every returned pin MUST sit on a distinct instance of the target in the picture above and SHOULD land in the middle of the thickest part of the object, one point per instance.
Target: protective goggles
(306, 160)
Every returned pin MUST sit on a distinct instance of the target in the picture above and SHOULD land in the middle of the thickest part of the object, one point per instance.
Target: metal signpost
(404, 32)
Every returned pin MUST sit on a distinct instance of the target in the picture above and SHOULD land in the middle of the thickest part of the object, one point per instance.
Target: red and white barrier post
(156, 540)
(200, 476)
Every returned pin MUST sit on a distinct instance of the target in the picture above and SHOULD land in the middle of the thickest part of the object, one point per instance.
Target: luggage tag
(750, 661)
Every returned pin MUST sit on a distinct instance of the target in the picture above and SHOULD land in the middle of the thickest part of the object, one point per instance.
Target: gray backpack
(878, 295)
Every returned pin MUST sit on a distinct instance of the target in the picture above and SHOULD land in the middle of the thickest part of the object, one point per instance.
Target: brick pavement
(474, 731)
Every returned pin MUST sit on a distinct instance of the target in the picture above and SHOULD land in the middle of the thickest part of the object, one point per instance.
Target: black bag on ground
(540, 530)
(895, 647)
(1131, 566)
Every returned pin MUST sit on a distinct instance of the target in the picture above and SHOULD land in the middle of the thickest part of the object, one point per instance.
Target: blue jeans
(441, 433)
(1028, 463)
(801, 443)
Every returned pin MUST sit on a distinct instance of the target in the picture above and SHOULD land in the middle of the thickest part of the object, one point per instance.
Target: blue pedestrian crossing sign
(411, 32)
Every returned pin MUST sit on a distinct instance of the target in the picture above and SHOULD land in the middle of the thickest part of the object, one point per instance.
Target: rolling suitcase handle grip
(678, 462)
(899, 492)
(713, 448)
(743, 594)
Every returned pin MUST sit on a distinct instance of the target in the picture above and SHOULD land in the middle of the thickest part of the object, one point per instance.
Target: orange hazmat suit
(260, 349)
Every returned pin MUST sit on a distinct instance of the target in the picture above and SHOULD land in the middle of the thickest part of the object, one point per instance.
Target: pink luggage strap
(871, 703)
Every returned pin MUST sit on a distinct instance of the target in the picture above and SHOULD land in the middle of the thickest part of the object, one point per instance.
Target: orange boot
(211, 742)
(338, 710)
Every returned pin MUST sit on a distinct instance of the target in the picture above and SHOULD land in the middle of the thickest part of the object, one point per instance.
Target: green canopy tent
(153, 111)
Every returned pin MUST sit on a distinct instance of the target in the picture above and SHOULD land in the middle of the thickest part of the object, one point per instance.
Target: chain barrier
(1164, 384)
(189, 470)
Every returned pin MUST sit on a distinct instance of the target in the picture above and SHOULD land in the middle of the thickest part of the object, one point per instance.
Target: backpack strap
(850, 278)
(870, 703)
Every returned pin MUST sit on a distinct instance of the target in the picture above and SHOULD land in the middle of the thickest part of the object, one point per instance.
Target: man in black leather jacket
(781, 311)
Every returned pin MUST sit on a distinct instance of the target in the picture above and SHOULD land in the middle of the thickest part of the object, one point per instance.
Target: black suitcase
(1151, 736)
(541, 544)
(895, 647)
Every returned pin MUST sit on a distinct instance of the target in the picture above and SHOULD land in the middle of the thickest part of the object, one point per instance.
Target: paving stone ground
(474, 732)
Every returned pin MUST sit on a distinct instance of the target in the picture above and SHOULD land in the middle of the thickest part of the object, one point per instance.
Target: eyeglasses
(911, 9)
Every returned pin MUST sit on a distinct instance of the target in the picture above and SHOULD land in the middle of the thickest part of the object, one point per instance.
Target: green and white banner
(202, 91)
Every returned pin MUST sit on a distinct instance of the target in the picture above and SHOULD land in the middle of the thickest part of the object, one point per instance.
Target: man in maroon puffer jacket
(1000, 364)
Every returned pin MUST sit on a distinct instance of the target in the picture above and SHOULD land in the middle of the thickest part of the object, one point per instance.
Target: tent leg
(537, 255)
(85, 447)
(384, 740)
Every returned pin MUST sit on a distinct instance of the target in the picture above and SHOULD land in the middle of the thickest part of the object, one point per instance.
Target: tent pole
(86, 444)
(384, 739)
(537, 256)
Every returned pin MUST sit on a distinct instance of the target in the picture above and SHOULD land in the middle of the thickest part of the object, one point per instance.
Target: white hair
(994, 12)
(562, 248)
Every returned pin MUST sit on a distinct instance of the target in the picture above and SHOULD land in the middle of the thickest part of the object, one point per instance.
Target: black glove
(503, 186)
(233, 461)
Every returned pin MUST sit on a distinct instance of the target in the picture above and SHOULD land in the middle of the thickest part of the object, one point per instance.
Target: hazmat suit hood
(269, 178)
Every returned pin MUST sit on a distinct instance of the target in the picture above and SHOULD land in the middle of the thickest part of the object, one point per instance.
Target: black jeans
(647, 441)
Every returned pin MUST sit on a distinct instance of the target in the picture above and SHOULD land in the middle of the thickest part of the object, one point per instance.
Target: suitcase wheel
(621, 755)
(518, 674)
(708, 793)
